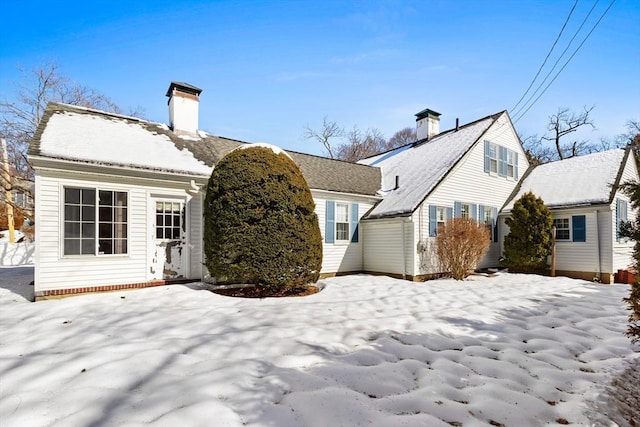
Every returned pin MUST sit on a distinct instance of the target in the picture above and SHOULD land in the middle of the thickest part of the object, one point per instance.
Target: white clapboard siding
(54, 271)
(580, 256)
(622, 249)
(467, 182)
(340, 257)
(194, 209)
(388, 245)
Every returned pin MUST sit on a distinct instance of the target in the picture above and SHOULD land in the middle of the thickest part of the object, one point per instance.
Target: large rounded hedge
(260, 226)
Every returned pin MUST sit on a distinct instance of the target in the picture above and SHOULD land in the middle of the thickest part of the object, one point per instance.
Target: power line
(547, 57)
(567, 62)
(557, 60)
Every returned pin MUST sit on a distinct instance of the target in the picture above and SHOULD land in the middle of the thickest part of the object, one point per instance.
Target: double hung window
(562, 228)
(342, 222)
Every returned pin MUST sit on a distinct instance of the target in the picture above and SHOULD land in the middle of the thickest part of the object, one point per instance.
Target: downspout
(404, 253)
(599, 264)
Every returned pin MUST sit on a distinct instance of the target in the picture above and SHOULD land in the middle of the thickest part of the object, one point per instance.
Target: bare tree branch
(20, 116)
(329, 131)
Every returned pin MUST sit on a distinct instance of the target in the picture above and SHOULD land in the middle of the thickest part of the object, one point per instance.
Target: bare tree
(361, 144)
(329, 131)
(20, 116)
(356, 144)
(402, 137)
(565, 122)
(560, 126)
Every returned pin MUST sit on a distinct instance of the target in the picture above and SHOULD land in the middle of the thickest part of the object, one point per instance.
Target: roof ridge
(82, 109)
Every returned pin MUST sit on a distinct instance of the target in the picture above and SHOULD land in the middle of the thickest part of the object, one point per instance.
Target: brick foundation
(62, 293)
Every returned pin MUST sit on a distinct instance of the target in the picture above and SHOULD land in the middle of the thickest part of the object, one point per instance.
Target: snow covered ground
(513, 350)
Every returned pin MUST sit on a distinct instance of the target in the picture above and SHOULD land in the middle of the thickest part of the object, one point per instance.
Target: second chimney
(184, 100)
(427, 124)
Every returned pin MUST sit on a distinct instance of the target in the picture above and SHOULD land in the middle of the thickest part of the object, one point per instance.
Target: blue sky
(268, 68)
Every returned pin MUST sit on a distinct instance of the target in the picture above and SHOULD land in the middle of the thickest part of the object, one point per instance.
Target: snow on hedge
(514, 350)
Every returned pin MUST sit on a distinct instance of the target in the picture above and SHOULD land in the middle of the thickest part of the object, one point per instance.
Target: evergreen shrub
(461, 243)
(529, 241)
(631, 230)
(260, 225)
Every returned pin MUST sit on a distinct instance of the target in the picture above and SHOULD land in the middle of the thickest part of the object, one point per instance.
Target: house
(468, 171)
(119, 199)
(584, 196)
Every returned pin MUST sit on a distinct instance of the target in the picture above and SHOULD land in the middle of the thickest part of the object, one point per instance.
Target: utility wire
(558, 60)
(568, 60)
(547, 57)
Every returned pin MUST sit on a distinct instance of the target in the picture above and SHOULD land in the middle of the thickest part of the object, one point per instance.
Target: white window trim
(336, 222)
(61, 232)
(568, 239)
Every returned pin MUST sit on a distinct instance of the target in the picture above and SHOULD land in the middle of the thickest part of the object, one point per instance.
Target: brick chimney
(183, 103)
(427, 124)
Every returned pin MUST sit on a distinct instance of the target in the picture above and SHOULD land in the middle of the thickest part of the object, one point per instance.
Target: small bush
(529, 241)
(260, 225)
(461, 243)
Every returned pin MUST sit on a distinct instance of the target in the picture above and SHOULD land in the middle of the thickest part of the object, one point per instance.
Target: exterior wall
(389, 246)
(195, 232)
(589, 256)
(622, 249)
(468, 183)
(341, 257)
(54, 271)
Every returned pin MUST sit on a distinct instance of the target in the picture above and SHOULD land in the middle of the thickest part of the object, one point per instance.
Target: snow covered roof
(84, 135)
(421, 166)
(583, 180)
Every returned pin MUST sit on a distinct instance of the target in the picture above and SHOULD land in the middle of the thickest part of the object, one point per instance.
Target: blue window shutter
(330, 222)
(474, 212)
(502, 161)
(487, 157)
(578, 225)
(457, 209)
(515, 166)
(355, 219)
(481, 209)
(449, 214)
(433, 224)
(494, 217)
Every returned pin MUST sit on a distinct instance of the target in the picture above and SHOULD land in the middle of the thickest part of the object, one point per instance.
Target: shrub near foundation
(260, 225)
(529, 241)
(461, 244)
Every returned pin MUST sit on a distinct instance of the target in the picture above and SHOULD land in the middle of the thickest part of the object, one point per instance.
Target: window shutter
(474, 212)
(433, 224)
(481, 209)
(457, 209)
(515, 166)
(487, 157)
(355, 219)
(578, 225)
(449, 214)
(502, 161)
(494, 217)
(330, 222)
(618, 208)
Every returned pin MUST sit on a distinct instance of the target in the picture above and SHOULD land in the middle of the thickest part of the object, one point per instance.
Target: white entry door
(170, 244)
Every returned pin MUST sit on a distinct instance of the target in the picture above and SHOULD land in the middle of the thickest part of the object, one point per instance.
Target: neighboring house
(468, 171)
(583, 194)
(119, 199)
